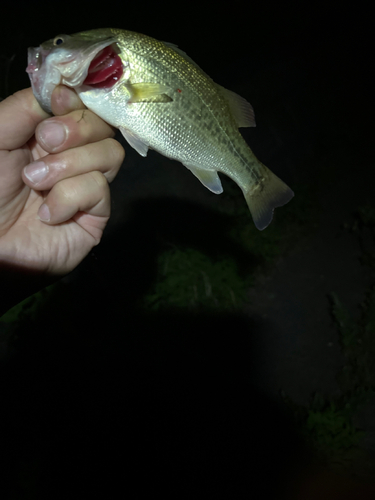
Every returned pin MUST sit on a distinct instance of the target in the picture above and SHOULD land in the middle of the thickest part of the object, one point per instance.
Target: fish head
(73, 60)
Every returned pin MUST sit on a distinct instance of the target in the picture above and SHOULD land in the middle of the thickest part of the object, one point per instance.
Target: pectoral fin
(134, 141)
(148, 92)
(209, 178)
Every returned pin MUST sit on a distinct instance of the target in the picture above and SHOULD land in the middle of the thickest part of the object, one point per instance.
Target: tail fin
(271, 194)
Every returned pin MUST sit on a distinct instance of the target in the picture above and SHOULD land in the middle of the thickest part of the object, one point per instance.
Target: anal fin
(209, 178)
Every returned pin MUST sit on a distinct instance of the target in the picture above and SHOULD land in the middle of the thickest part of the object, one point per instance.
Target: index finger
(20, 113)
(64, 100)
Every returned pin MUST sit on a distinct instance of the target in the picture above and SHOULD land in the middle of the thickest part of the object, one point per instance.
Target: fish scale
(163, 101)
(206, 124)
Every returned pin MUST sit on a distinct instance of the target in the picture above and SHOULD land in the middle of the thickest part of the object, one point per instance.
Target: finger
(106, 156)
(20, 113)
(87, 193)
(64, 100)
(69, 131)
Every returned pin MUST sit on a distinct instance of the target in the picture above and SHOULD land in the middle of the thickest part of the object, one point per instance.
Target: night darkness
(95, 393)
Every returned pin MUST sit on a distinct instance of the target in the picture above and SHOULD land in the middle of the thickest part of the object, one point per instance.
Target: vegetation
(189, 279)
(327, 425)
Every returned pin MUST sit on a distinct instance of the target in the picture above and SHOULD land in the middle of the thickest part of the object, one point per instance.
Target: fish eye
(58, 40)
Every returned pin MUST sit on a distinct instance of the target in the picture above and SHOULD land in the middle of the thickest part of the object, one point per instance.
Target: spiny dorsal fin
(242, 110)
(185, 56)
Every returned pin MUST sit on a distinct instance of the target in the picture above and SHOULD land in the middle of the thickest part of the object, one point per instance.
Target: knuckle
(64, 190)
(58, 164)
(99, 179)
(80, 115)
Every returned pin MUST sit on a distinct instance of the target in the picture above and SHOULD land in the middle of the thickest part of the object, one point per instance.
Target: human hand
(48, 225)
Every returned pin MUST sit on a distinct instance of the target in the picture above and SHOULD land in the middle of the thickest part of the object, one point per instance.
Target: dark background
(101, 394)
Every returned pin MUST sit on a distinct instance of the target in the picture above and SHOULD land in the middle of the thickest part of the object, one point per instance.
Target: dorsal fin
(185, 56)
(242, 110)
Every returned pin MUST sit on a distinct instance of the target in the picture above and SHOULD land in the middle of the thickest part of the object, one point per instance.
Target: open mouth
(105, 70)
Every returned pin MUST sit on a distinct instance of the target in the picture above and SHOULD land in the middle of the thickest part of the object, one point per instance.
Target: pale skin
(47, 226)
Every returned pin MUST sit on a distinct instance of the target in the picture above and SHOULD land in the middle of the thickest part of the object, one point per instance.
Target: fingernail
(43, 213)
(36, 171)
(52, 134)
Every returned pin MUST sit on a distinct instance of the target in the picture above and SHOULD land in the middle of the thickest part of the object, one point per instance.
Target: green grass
(189, 279)
(289, 223)
(327, 425)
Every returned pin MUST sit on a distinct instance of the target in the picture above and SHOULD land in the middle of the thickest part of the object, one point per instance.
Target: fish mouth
(95, 65)
(36, 58)
(105, 69)
(98, 65)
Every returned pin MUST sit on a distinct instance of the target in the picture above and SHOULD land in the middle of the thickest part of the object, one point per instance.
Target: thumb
(20, 113)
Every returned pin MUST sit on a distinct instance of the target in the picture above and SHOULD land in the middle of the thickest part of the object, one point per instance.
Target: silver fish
(160, 99)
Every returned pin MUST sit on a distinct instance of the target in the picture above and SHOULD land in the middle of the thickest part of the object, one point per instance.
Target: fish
(160, 99)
